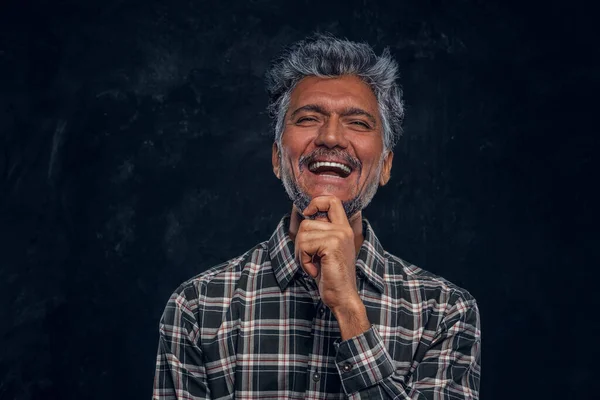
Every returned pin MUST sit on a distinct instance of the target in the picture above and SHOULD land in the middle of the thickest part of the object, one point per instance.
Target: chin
(342, 195)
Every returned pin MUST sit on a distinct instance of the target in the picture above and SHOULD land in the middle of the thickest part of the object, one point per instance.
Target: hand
(326, 251)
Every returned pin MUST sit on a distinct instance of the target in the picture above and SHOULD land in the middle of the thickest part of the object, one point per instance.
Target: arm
(180, 372)
(445, 368)
(449, 368)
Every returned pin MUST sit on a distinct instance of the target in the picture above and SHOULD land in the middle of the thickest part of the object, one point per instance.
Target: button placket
(321, 309)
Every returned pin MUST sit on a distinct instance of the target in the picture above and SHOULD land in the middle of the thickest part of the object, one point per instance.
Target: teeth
(329, 164)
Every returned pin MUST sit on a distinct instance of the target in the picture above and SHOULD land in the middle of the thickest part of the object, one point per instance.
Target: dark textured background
(135, 153)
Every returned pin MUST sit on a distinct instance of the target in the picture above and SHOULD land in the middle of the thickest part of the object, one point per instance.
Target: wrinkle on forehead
(334, 94)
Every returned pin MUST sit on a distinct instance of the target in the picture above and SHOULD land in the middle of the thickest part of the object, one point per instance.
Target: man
(320, 310)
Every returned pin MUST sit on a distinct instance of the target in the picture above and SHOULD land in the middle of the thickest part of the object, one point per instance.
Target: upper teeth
(329, 164)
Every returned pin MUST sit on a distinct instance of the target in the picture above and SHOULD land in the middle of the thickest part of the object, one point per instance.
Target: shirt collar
(370, 260)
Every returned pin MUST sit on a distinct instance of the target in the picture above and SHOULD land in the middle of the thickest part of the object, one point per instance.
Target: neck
(355, 222)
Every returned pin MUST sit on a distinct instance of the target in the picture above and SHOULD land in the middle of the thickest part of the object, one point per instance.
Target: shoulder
(216, 285)
(420, 284)
(447, 305)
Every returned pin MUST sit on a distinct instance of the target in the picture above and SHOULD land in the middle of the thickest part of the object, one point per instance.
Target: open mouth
(330, 168)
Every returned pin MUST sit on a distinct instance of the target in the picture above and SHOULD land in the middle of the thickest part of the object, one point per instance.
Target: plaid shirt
(255, 328)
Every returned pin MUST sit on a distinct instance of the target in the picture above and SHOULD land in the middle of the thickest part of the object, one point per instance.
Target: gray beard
(301, 199)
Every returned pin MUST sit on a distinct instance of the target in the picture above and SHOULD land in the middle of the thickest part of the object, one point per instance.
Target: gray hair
(325, 56)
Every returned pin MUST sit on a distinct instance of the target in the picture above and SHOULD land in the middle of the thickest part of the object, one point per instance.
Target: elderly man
(321, 310)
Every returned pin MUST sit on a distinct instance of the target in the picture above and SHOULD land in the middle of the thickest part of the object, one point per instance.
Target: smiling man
(321, 310)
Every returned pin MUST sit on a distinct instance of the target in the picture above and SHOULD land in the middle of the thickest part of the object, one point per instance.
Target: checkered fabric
(254, 328)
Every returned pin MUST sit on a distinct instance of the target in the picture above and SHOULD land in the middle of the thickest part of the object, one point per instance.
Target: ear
(387, 168)
(276, 160)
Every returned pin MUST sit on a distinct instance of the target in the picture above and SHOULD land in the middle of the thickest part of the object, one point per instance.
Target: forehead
(334, 93)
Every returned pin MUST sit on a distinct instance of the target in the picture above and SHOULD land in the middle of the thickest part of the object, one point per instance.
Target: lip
(329, 178)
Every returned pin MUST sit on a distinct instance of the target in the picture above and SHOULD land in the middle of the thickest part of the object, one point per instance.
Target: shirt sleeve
(449, 369)
(180, 372)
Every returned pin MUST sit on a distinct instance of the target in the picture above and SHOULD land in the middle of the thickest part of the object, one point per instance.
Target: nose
(331, 134)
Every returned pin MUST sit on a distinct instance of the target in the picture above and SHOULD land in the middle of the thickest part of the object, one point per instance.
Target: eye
(306, 119)
(361, 123)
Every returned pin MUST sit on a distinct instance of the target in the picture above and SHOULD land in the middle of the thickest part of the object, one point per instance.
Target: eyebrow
(350, 111)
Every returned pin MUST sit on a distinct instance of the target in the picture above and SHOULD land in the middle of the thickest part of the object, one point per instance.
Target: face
(332, 143)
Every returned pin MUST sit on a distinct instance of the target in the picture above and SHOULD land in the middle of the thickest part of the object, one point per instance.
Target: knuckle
(306, 225)
(337, 239)
(303, 225)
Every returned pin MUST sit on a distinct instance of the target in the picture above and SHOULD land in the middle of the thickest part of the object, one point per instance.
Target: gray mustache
(353, 162)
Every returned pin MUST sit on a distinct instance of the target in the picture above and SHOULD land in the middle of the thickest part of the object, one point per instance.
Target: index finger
(331, 205)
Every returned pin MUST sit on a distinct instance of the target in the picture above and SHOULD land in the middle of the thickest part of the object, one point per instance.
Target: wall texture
(135, 153)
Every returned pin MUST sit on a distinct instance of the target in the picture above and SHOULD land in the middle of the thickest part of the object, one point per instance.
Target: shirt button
(347, 367)
(316, 377)
(322, 310)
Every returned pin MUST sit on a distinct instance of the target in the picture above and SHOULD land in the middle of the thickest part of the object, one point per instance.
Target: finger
(320, 241)
(309, 264)
(307, 258)
(309, 225)
(312, 247)
(309, 255)
(331, 205)
(308, 248)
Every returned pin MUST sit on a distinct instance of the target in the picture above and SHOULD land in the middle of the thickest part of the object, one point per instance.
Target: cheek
(372, 168)
(289, 161)
(292, 151)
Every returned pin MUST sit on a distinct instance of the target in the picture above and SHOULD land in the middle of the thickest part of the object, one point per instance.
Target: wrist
(349, 307)
(352, 319)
